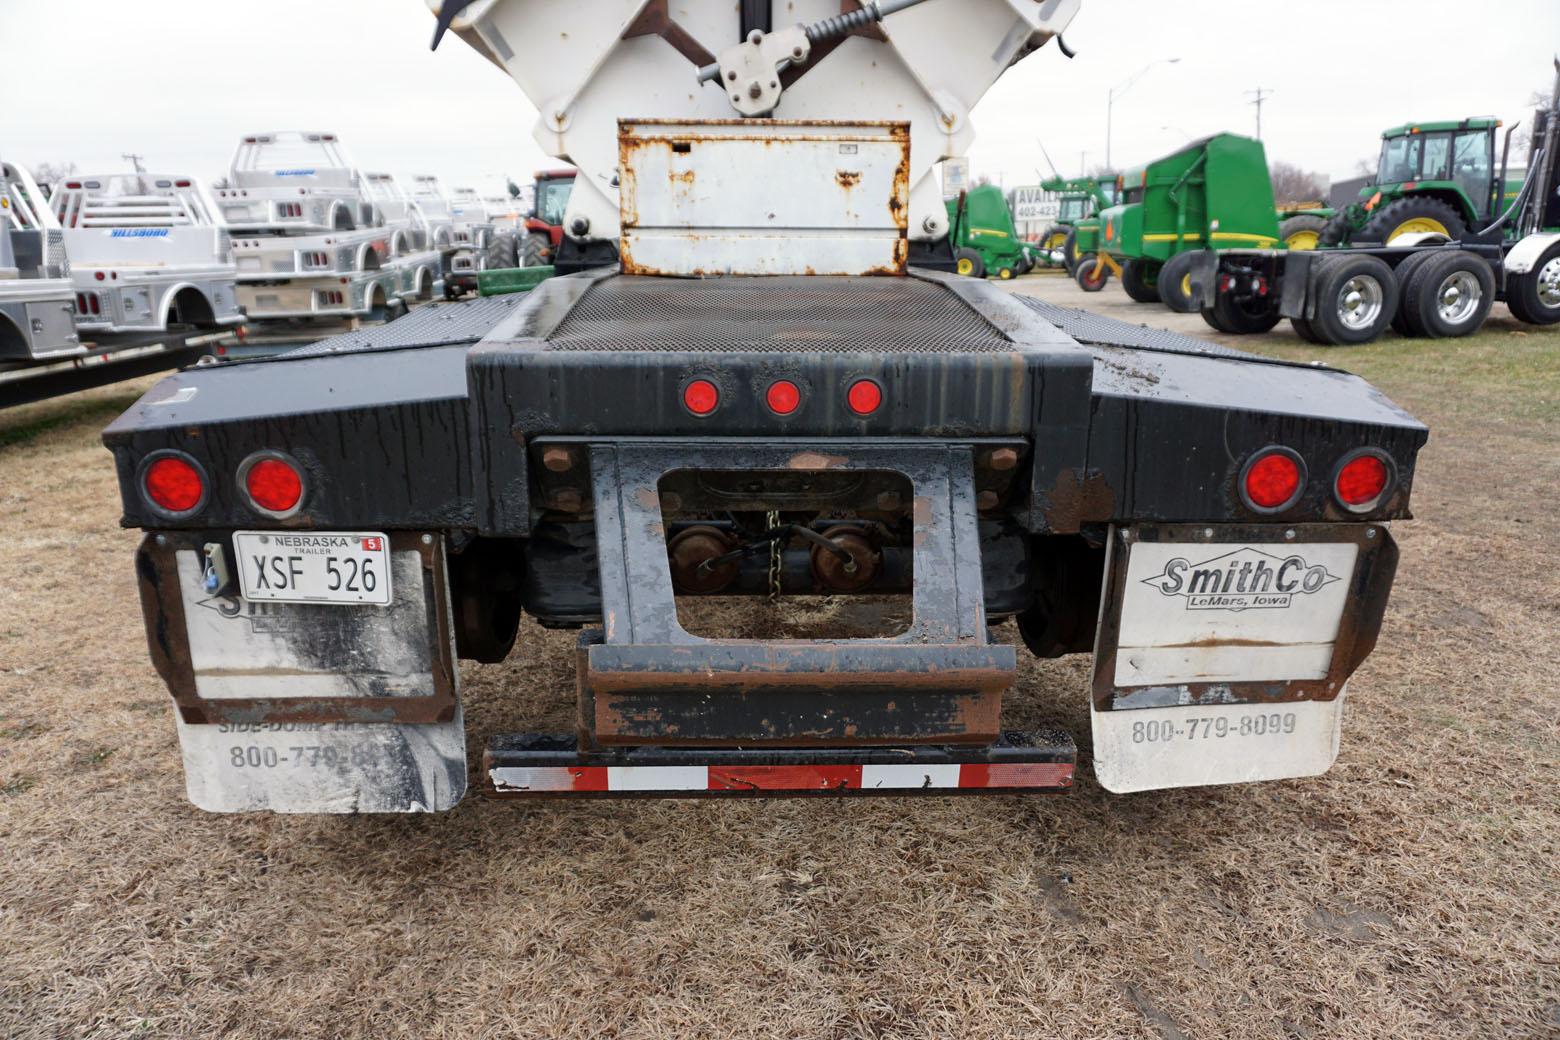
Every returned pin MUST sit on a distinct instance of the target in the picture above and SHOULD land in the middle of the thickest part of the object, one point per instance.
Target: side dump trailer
(631, 448)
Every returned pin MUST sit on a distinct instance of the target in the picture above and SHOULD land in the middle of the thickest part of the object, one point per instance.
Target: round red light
(700, 397)
(174, 484)
(1273, 480)
(864, 397)
(783, 397)
(1361, 481)
(273, 485)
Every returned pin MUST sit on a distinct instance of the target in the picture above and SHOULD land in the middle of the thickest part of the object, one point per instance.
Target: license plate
(349, 568)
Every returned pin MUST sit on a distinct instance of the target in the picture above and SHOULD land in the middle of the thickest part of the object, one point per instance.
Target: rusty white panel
(1148, 749)
(1231, 612)
(283, 650)
(764, 197)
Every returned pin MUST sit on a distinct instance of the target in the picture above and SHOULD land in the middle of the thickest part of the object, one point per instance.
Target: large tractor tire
(1053, 241)
(1140, 278)
(1071, 258)
(1534, 297)
(1091, 274)
(1448, 295)
(1175, 282)
(1302, 231)
(536, 250)
(1415, 213)
(501, 253)
(1356, 297)
(969, 263)
(1337, 231)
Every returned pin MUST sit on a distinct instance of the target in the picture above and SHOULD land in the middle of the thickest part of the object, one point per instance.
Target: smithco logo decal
(1245, 579)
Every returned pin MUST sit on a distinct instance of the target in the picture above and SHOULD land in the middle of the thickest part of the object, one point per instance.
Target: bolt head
(1003, 458)
(567, 500)
(558, 459)
(755, 90)
(987, 500)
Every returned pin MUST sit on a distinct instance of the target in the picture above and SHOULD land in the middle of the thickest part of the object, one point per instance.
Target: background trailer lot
(1411, 891)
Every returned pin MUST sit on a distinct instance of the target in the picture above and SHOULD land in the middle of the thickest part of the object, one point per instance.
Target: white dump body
(149, 251)
(926, 66)
(297, 181)
(37, 316)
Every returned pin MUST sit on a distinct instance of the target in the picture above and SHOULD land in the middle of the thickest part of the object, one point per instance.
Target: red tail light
(783, 397)
(173, 483)
(864, 397)
(273, 483)
(1272, 480)
(1362, 481)
(701, 397)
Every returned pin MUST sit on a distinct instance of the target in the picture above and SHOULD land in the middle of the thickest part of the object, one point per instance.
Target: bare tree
(1291, 184)
(47, 174)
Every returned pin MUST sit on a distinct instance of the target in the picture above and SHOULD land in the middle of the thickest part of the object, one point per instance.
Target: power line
(1257, 97)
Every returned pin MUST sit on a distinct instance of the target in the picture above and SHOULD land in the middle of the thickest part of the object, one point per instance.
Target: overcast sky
(180, 80)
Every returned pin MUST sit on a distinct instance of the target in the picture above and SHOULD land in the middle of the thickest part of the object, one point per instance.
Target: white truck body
(292, 181)
(431, 199)
(37, 315)
(149, 251)
(418, 267)
(341, 274)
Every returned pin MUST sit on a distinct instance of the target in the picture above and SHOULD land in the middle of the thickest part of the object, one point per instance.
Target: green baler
(1214, 193)
(985, 241)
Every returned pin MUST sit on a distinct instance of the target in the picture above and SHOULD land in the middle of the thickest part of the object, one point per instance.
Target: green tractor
(1438, 178)
(1082, 199)
(1214, 193)
(985, 241)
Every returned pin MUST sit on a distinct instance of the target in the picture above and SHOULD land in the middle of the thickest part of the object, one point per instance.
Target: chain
(772, 521)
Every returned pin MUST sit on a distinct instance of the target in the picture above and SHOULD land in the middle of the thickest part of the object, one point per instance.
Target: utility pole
(134, 160)
(1257, 97)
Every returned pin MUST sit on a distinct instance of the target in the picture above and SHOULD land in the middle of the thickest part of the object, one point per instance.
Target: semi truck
(754, 383)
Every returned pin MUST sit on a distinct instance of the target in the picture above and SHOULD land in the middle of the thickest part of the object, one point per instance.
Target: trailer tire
(1534, 297)
(1414, 213)
(1140, 278)
(1405, 274)
(1356, 297)
(1091, 274)
(969, 263)
(536, 250)
(1449, 295)
(1175, 282)
(1302, 327)
(1302, 231)
(1240, 317)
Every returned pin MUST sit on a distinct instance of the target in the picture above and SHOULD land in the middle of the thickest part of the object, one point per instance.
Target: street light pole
(1120, 89)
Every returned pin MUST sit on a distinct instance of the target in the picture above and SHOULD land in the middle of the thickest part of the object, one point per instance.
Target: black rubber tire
(1140, 279)
(1389, 217)
(501, 252)
(1522, 293)
(536, 250)
(1215, 321)
(1007, 274)
(1422, 294)
(1248, 317)
(1303, 329)
(1173, 290)
(1070, 257)
(1327, 289)
(976, 261)
(1405, 273)
(1056, 231)
(1336, 232)
(1092, 274)
(1298, 223)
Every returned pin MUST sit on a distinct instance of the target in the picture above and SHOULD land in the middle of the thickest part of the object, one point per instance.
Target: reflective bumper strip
(750, 778)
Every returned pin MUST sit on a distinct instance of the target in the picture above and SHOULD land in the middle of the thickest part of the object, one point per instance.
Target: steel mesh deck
(738, 315)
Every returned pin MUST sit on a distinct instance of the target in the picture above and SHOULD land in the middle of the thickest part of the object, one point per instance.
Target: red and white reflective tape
(902, 777)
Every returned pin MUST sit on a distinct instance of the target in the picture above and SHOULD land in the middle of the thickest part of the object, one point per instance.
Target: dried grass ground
(1410, 892)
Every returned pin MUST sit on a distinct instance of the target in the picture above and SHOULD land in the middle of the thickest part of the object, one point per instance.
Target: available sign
(1034, 205)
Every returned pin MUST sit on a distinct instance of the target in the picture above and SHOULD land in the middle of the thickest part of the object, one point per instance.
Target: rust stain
(1077, 498)
(847, 179)
(816, 460)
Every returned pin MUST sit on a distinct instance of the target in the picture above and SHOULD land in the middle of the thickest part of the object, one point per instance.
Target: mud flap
(1224, 652)
(310, 707)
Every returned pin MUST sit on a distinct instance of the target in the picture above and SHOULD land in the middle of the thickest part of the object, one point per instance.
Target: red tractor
(544, 227)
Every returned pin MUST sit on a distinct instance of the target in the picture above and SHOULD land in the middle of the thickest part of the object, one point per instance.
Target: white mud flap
(1223, 652)
(302, 708)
